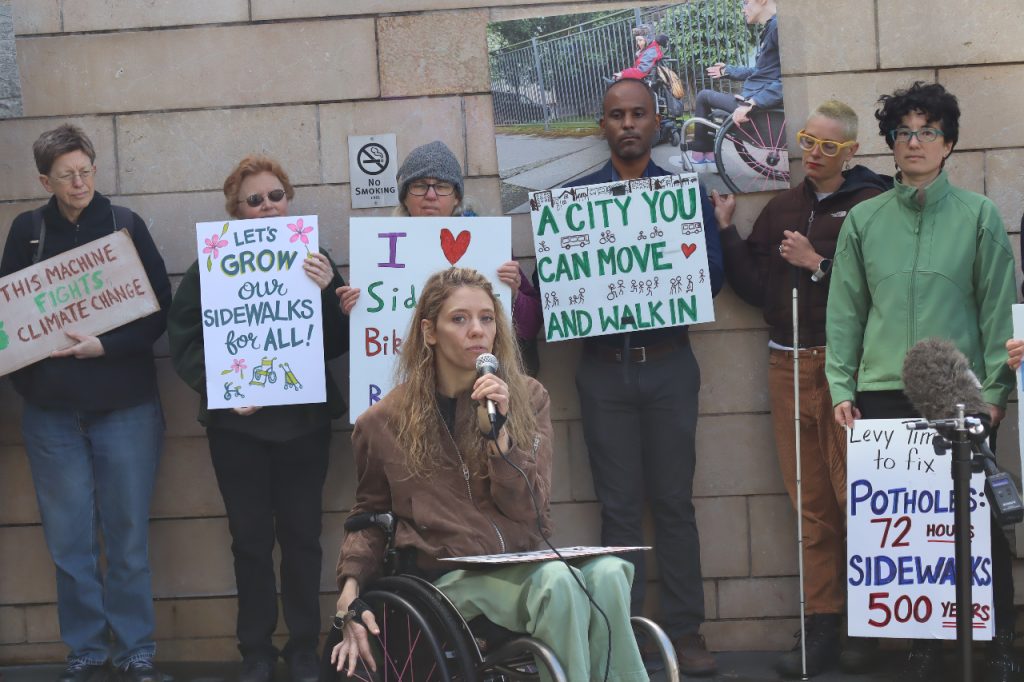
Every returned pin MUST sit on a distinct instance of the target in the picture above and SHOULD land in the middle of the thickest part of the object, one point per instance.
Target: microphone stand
(799, 486)
(961, 470)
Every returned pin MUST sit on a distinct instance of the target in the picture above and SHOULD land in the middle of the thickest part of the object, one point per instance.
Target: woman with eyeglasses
(925, 259)
(792, 242)
(430, 184)
(270, 462)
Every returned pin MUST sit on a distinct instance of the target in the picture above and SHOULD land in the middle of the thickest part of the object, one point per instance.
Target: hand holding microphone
(490, 388)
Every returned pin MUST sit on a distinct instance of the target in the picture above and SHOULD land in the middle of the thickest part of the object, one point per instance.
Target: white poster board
(901, 570)
(621, 256)
(373, 167)
(91, 289)
(1018, 333)
(262, 322)
(391, 259)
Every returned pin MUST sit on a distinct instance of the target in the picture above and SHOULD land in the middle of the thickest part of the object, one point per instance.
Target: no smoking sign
(372, 167)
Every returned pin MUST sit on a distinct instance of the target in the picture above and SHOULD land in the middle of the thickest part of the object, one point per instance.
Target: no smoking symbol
(372, 159)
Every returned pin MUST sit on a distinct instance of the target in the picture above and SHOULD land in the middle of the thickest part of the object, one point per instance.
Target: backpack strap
(38, 234)
(123, 218)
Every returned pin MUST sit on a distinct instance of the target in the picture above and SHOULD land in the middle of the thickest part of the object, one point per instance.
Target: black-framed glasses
(254, 200)
(420, 189)
(924, 135)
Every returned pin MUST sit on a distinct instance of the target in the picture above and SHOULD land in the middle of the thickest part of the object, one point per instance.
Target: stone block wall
(174, 93)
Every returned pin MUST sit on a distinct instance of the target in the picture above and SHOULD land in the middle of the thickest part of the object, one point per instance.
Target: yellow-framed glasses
(829, 148)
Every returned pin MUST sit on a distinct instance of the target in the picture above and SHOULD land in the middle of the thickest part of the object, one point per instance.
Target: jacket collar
(652, 170)
(96, 212)
(925, 197)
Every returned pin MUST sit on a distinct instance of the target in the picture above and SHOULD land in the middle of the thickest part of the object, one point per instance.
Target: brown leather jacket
(446, 515)
(758, 273)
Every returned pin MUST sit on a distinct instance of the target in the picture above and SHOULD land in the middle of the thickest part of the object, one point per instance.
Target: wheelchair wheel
(649, 631)
(753, 157)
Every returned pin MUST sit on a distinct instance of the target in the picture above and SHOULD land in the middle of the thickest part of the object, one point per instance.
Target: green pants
(544, 601)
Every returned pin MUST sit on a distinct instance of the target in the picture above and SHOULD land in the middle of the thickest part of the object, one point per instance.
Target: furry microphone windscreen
(937, 376)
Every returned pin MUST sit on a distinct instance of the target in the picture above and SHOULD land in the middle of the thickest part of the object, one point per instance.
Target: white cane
(799, 489)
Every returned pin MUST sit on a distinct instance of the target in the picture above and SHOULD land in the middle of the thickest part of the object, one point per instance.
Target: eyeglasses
(924, 135)
(829, 148)
(254, 200)
(69, 178)
(442, 189)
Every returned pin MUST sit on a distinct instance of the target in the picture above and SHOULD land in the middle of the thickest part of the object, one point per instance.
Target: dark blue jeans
(94, 471)
(641, 437)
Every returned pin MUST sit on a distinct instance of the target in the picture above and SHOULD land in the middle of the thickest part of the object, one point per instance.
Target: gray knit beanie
(432, 160)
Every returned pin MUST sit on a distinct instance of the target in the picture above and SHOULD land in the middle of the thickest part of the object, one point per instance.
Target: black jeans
(273, 489)
(704, 137)
(641, 440)
(894, 405)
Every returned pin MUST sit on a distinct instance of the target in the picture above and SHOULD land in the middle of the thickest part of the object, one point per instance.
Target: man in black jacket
(93, 428)
(792, 242)
(639, 408)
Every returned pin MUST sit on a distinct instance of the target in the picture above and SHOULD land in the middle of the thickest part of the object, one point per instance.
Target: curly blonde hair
(418, 417)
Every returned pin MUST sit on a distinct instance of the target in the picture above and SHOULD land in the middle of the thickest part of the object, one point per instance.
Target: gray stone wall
(173, 93)
(10, 83)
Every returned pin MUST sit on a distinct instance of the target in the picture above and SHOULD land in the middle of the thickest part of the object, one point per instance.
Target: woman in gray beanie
(430, 184)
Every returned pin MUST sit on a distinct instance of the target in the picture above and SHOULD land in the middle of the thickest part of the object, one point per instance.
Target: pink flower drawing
(238, 365)
(214, 244)
(300, 232)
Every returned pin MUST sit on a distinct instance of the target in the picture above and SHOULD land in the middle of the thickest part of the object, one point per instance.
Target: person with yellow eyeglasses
(792, 243)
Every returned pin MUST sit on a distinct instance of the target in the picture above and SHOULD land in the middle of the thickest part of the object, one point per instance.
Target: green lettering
(575, 227)
(624, 208)
(542, 264)
(547, 219)
(687, 210)
(379, 302)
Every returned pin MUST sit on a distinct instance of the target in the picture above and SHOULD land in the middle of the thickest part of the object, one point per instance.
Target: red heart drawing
(688, 249)
(454, 247)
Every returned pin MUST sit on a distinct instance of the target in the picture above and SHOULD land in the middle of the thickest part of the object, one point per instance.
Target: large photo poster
(706, 61)
(621, 256)
(392, 258)
(262, 322)
(901, 571)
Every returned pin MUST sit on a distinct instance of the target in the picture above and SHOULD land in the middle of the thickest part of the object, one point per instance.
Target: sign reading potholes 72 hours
(372, 167)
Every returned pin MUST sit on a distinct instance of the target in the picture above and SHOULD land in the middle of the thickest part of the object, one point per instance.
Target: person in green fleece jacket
(925, 259)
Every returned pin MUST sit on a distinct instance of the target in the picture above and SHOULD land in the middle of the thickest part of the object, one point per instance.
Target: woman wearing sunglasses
(270, 462)
(792, 242)
(430, 184)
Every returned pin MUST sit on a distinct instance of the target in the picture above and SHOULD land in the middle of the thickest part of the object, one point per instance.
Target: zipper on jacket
(469, 488)
(912, 317)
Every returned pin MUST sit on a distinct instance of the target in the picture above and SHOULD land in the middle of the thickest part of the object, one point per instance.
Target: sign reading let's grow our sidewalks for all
(621, 256)
(262, 323)
(90, 290)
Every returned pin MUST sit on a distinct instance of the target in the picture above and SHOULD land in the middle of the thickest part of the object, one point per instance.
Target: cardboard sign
(89, 290)
(372, 167)
(621, 256)
(391, 259)
(262, 322)
(901, 571)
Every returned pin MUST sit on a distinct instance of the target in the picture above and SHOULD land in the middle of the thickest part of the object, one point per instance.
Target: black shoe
(1003, 665)
(304, 666)
(257, 670)
(859, 655)
(141, 671)
(821, 648)
(924, 663)
(78, 671)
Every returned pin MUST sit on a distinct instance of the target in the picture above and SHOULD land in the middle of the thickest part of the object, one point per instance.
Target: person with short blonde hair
(793, 241)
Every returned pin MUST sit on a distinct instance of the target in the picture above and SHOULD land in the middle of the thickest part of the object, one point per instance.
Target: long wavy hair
(418, 419)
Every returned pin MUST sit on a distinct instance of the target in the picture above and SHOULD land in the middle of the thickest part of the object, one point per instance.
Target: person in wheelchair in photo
(762, 83)
(426, 452)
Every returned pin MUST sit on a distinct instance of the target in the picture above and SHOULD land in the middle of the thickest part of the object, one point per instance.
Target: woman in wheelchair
(425, 452)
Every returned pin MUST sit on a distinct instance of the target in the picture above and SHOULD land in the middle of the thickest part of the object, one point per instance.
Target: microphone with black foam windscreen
(488, 364)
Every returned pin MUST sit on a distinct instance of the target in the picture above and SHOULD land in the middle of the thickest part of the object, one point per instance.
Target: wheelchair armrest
(383, 520)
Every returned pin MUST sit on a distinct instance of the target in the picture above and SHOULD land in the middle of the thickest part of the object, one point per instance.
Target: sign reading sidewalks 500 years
(901, 575)
(621, 256)
(89, 290)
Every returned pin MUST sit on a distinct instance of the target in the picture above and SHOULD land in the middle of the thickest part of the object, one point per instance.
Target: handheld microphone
(488, 364)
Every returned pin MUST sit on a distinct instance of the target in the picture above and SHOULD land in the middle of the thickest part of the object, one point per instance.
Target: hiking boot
(257, 670)
(692, 652)
(858, 655)
(821, 647)
(303, 666)
(1003, 665)
(924, 663)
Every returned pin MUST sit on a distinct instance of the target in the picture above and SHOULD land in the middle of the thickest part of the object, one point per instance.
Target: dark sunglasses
(254, 200)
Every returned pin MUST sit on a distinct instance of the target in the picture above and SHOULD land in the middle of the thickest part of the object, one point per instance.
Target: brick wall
(174, 93)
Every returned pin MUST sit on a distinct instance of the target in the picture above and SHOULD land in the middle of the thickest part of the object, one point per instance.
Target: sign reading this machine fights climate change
(262, 323)
(92, 289)
(901, 571)
(621, 256)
